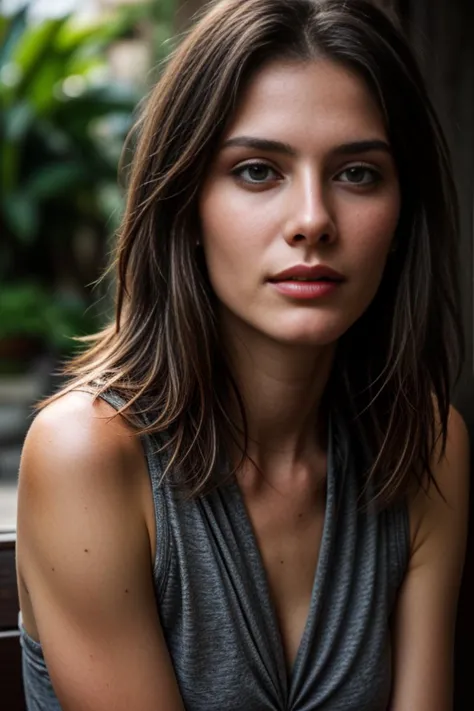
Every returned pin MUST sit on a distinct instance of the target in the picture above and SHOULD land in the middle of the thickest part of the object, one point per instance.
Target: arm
(83, 552)
(424, 622)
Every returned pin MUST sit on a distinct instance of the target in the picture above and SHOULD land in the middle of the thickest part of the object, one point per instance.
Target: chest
(248, 632)
(288, 528)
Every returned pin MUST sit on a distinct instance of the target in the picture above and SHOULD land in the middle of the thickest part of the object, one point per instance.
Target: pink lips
(319, 280)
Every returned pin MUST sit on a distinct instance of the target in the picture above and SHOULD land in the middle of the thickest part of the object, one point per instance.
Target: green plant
(28, 310)
(62, 127)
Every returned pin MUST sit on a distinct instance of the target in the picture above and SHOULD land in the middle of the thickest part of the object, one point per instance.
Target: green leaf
(85, 65)
(54, 179)
(163, 11)
(30, 309)
(22, 307)
(79, 114)
(36, 44)
(12, 29)
(74, 37)
(17, 121)
(41, 90)
(9, 166)
(21, 214)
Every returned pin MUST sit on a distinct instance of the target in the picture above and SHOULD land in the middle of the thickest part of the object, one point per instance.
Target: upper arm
(424, 621)
(83, 553)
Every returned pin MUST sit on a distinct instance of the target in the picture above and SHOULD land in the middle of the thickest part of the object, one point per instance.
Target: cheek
(372, 234)
(233, 237)
(233, 218)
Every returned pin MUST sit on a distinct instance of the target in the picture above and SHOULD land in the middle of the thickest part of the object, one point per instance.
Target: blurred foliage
(62, 128)
(28, 310)
(162, 22)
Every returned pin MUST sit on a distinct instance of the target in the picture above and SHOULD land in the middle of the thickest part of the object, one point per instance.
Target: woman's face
(304, 177)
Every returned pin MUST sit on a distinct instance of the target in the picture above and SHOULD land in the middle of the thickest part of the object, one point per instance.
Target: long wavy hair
(395, 367)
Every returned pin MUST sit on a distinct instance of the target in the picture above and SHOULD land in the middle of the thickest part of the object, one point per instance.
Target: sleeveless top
(218, 619)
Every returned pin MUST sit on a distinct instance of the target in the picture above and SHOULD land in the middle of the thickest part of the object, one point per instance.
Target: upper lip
(305, 271)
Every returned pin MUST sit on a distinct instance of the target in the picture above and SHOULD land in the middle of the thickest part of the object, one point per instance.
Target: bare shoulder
(425, 615)
(81, 466)
(451, 469)
(445, 505)
(76, 429)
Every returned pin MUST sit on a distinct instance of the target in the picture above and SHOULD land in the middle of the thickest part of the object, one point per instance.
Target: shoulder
(425, 614)
(73, 437)
(81, 468)
(451, 469)
(441, 513)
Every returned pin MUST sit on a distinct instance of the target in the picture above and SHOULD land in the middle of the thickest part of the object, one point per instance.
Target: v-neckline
(291, 679)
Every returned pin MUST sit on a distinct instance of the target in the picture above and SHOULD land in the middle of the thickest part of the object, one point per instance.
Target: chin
(312, 341)
(304, 339)
(310, 335)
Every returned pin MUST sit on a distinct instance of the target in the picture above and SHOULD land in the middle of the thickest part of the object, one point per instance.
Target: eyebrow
(346, 149)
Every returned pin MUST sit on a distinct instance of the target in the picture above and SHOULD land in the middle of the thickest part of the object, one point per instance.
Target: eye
(359, 175)
(255, 173)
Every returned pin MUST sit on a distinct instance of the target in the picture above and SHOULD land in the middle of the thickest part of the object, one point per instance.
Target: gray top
(218, 619)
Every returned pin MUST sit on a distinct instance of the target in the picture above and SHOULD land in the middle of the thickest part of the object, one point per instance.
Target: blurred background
(72, 73)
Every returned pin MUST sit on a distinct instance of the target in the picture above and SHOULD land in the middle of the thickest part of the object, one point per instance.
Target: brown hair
(395, 366)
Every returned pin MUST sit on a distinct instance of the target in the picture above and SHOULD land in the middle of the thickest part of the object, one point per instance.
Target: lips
(305, 273)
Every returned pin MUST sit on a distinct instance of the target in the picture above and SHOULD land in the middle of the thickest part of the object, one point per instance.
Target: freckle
(300, 515)
(53, 569)
(281, 562)
(86, 550)
(126, 591)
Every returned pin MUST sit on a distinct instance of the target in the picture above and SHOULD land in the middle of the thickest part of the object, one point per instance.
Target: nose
(310, 218)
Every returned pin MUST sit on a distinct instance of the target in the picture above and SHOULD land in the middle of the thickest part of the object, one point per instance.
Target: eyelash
(376, 176)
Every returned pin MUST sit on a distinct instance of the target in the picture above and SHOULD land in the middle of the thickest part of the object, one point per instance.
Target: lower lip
(305, 289)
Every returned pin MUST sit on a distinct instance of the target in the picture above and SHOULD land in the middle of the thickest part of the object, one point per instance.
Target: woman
(276, 519)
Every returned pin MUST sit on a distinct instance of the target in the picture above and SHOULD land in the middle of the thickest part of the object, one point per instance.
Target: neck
(281, 387)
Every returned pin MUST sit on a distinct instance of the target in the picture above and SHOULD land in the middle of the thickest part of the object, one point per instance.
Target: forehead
(305, 101)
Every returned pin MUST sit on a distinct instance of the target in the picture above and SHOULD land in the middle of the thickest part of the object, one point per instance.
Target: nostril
(324, 238)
